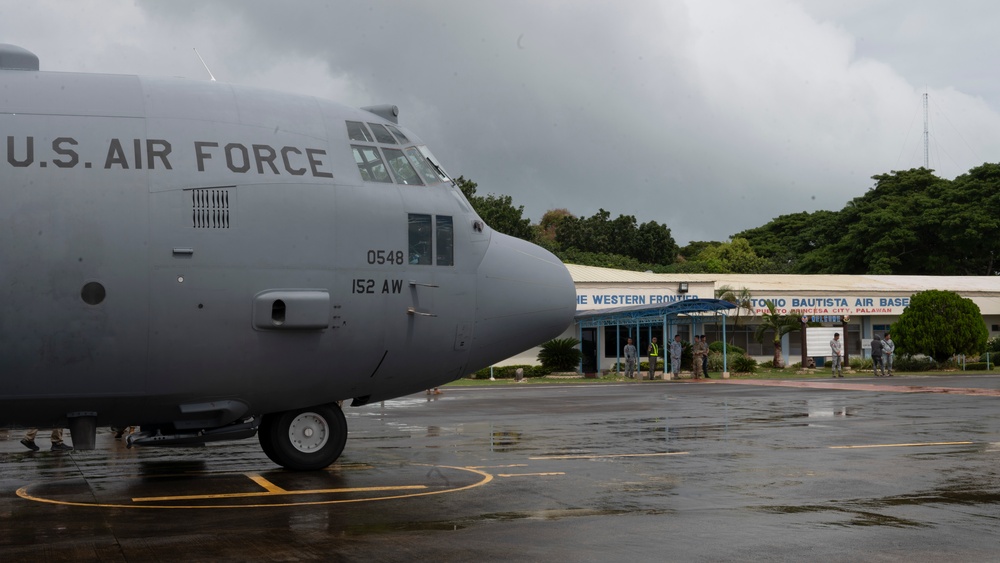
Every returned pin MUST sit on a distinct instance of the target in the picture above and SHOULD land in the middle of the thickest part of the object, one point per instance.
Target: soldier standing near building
(877, 351)
(653, 351)
(837, 351)
(676, 349)
(696, 352)
(888, 347)
(631, 355)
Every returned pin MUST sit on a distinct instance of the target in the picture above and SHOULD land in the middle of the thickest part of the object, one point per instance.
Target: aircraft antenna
(213, 76)
(926, 153)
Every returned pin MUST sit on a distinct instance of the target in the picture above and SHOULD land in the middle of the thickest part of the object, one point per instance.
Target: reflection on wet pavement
(655, 471)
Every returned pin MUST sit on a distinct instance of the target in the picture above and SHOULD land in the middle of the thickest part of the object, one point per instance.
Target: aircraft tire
(305, 439)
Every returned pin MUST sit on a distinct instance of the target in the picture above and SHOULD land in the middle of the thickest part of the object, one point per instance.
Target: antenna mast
(212, 76)
(926, 154)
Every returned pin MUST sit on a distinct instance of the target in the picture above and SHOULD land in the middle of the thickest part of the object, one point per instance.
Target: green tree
(498, 211)
(691, 251)
(910, 223)
(780, 324)
(649, 243)
(736, 257)
(787, 240)
(549, 224)
(601, 260)
(654, 244)
(968, 225)
(940, 324)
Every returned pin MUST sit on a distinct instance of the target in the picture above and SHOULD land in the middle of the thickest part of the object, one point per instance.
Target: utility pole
(926, 153)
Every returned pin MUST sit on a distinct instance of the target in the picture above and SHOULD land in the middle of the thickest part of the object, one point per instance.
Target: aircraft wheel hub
(308, 432)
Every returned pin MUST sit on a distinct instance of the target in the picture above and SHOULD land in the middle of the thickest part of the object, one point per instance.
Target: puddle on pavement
(449, 525)
(858, 517)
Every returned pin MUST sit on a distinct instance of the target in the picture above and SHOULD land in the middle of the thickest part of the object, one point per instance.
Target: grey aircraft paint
(208, 261)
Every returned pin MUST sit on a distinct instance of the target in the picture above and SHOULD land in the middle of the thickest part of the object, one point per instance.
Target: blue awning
(650, 313)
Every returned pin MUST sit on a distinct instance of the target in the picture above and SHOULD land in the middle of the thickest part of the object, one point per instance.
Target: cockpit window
(370, 164)
(401, 167)
(381, 135)
(399, 134)
(420, 239)
(423, 167)
(445, 240)
(434, 162)
(356, 132)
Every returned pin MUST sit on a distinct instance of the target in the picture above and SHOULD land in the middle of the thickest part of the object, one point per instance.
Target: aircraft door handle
(412, 311)
(414, 283)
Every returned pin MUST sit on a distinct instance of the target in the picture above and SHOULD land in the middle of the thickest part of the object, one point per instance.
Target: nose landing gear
(304, 439)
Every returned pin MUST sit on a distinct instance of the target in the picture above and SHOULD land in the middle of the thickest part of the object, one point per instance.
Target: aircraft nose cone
(525, 297)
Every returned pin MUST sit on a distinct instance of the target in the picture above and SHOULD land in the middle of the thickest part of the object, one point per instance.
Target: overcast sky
(711, 116)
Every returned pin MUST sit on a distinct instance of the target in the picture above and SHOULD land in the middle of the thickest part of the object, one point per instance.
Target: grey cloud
(709, 116)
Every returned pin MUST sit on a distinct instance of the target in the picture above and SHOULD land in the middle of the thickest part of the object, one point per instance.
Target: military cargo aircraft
(211, 262)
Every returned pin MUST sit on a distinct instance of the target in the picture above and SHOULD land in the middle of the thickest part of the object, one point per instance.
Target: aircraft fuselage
(191, 254)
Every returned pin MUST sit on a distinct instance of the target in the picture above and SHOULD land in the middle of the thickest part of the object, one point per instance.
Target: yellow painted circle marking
(270, 490)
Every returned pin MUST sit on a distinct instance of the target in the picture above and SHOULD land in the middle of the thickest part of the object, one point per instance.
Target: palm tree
(742, 298)
(781, 325)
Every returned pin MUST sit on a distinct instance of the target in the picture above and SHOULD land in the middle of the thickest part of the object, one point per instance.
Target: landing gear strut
(304, 439)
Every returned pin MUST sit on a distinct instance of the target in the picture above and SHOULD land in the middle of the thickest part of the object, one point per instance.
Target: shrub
(560, 354)
(644, 366)
(860, 364)
(743, 364)
(623, 367)
(734, 359)
(730, 348)
(913, 363)
(950, 363)
(508, 372)
(979, 366)
(715, 361)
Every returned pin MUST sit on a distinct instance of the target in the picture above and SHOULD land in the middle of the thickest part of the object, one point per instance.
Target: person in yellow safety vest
(653, 351)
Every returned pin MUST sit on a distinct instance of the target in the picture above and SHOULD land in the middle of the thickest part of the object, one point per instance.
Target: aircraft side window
(445, 232)
(399, 134)
(421, 165)
(401, 167)
(381, 135)
(356, 132)
(420, 239)
(370, 164)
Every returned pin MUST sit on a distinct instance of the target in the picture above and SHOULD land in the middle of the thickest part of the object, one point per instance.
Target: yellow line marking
(586, 456)
(267, 485)
(497, 466)
(901, 445)
(486, 478)
(281, 492)
(529, 474)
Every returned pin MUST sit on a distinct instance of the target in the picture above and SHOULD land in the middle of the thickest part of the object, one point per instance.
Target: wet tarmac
(862, 469)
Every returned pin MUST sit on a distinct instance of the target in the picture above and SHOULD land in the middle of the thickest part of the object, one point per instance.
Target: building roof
(794, 282)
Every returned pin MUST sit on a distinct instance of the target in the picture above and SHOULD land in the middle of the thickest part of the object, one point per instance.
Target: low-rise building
(865, 304)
